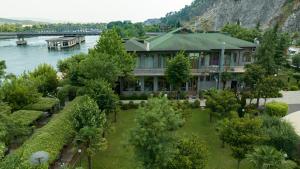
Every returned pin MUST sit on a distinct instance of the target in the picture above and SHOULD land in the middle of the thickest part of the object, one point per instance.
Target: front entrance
(193, 86)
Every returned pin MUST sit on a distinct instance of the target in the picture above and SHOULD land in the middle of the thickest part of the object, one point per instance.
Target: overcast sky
(89, 10)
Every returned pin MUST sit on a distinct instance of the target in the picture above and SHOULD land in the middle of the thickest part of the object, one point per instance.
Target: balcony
(195, 72)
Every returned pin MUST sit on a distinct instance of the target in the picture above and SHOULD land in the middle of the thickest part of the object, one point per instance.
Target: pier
(64, 42)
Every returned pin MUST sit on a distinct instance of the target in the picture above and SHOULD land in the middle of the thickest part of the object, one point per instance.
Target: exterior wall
(150, 69)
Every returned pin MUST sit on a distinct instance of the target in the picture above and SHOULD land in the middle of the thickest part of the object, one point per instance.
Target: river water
(25, 58)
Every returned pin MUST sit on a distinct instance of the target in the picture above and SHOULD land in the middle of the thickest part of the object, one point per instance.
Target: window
(149, 62)
(149, 84)
(214, 59)
(247, 57)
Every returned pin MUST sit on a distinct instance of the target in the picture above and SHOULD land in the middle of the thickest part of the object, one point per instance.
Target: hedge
(278, 109)
(50, 138)
(43, 104)
(5, 109)
(26, 117)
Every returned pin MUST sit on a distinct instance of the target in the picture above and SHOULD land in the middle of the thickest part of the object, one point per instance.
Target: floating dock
(64, 42)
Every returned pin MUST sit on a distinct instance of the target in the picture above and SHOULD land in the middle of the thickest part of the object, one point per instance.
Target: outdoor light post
(79, 152)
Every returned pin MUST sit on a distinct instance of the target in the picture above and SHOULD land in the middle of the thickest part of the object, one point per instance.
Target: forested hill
(249, 13)
(22, 22)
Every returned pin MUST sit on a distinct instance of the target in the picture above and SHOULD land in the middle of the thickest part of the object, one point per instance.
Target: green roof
(181, 41)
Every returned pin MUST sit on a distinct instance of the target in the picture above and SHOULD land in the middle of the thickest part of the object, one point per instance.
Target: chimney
(147, 46)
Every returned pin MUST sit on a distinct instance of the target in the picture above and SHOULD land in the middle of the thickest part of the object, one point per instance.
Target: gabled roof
(182, 40)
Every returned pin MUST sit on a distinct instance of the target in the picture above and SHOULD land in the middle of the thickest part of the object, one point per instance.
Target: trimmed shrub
(26, 117)
(278, 109)
(294, 88)
(134, 96)
(43, 104)
(50, 138)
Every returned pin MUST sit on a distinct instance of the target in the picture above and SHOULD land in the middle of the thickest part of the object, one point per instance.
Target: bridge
(33, 34)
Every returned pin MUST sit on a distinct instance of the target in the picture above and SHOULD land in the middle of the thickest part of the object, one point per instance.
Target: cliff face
(248, 12)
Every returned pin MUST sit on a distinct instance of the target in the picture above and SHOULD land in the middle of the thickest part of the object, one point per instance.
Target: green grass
(119, 156)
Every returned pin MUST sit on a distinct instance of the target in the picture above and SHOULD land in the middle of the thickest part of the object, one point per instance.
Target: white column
(155, 84)
(187, 86)
(198, 84)
(142, 79)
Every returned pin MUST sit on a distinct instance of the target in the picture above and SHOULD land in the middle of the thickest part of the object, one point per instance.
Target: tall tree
(178, 70)
(103, 94)
(265, 55)
(153, 134)
(111, 43)
(99, 66)
(89, 122)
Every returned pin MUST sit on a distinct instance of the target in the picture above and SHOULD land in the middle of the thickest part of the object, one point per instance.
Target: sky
(89, 10)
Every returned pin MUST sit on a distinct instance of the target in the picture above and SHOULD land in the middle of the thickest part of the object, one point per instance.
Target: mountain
(249, 13)
(18, 21)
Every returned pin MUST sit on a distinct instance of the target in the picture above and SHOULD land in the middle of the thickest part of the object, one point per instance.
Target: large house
(205, 53)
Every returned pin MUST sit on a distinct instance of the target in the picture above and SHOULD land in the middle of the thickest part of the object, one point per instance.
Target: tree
(265, 157)
(296, 61)
(242, 134)
(45, 78)
(237, 31)
(189, 153)
(282, 45)
(178, 70)
(268, 87)
(99, 66)
(103, 94)
(259, 84)
(222, 103)
(225, 76)
(265, 55)
(70, 68)
(89, 122)
(281, 135)
(153, 134)
(19, 92)
(111, 44)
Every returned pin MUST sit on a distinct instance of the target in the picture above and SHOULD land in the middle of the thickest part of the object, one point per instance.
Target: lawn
(119, 156)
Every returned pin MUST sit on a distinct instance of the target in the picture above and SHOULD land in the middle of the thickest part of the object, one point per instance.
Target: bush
(281, 135)
(196, 104)
(43, 104)
(134, 96)
(26, 117)
(278, 109)
(19, 92)
(294, 88)
(50, 138)
(5, 108)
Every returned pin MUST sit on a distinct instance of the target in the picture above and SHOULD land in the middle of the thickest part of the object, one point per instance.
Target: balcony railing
(202, 70)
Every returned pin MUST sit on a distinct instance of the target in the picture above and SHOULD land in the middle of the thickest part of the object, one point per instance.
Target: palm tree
(266, 157)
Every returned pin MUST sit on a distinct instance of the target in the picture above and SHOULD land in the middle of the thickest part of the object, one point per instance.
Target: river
(25, 58)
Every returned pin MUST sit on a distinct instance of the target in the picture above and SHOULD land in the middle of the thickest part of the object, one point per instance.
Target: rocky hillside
(248, 12)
